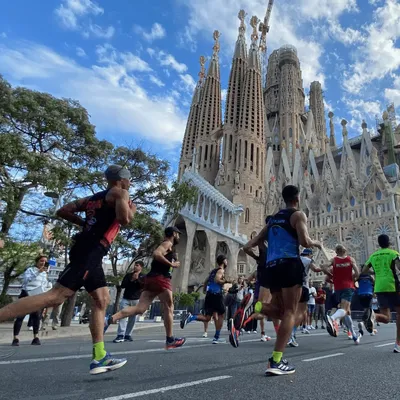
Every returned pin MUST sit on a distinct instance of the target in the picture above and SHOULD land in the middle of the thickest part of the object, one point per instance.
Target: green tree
(45, 143)
(15, 257)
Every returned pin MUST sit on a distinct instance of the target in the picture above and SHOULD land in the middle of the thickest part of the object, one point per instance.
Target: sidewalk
(6, 331)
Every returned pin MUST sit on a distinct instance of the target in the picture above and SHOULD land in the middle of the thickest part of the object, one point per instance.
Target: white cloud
(393, 94)
(188, 82)
(151, 52)
(224, 92)
(157, 32)
(80, 52)
(187, 40)
(347, 36)
(316, 9)
(156, 81)
(116, 101)
(70, 12)
(168, 60)
(379, 55)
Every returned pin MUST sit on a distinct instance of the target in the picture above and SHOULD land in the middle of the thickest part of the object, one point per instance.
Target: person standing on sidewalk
(133, 285)
(34, 282)
(320, 306)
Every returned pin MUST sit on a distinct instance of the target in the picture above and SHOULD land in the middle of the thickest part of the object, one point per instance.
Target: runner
(284, 272)
(344, 271)
(386, 264)
(214, 302)
(303, 307)
(158, 284)
(105, 212)
(365, 291)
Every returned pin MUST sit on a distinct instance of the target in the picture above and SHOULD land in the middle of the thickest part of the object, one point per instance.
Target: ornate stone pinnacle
(331, 114)
(344, 130)
(343, 122)
(242, 28)
(254, 23)
(385, 115)
(216, 36)
(364, 124)
(202, 72)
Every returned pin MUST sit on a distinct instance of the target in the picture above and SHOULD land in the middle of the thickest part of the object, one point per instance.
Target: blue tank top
(282, 238)
(365, 285)
(212, 286)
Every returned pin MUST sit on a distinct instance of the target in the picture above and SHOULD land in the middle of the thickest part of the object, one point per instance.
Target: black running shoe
(185, 319)
(15, 342)
(36, 342)
(369, 320)
(243, 312)
(233, 335)
(280, 368)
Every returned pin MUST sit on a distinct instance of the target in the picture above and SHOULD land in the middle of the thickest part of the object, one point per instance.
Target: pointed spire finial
(344, 129)
(216, 36)
(254, 23)
(202, 72)
(242, 28)
(364, 124)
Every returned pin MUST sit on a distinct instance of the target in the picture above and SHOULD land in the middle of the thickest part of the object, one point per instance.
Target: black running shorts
(85, 268)
(365, 300)
(214, 302)
(388, 300)
(305, 295)
(284, 273)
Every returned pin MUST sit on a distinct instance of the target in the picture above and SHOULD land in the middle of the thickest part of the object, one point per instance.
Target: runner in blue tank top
(365, 292)
(214, 301)
(283, 272)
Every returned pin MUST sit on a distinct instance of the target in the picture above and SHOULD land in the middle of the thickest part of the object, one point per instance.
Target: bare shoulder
(116, 193)
(298, 216)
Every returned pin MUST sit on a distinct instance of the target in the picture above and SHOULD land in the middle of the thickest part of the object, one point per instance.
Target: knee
(56, 297)
(102, 300)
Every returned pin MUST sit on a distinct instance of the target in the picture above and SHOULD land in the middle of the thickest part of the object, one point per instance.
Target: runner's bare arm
(299, 222)
(219, 277)
(161, 251)
(366, 269)
(123, 206)
(248, 247)
(326, 268)
(69, 211)
(314, 268)
(355, 268)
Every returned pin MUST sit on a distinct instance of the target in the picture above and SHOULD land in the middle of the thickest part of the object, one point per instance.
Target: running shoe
(265, 338)
(219, 341)
(107, 364)
(357, 338)
(107, 322)
(396, 348)
(369, 320)
(36, 342)
(128, 338)
(361, 328)
(178, 342)
(234, 335)
(205, 334)
(305, 331)
(322, 327)
(349, 335)
(15, 342)
(331, 326)
(292, 342)
(243, 312)
(118, 339)
(185, 319)
(279, 368)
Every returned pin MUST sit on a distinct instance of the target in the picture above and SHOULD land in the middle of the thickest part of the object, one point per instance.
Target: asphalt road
(329, 368)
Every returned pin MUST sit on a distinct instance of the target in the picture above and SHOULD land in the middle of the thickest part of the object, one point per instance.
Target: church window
(241, 269)
(352, 201)
(256, 193)
(251, 189)
(328, 207)
(378, 195)
(290, 132)
(247, 216)
(273, 147)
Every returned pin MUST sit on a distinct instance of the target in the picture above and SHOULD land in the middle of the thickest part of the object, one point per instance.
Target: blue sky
(134, 64)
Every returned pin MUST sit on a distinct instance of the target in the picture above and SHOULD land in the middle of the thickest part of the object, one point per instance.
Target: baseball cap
(170, 231)
(116, 173)
(306, 252)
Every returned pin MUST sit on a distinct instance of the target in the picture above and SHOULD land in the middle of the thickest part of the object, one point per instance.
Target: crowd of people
(279, 289)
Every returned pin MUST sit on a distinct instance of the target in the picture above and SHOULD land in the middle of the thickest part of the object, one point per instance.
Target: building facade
(268, 140)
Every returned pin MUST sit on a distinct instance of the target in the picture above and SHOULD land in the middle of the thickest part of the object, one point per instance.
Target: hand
(317, 244)
(176, 264)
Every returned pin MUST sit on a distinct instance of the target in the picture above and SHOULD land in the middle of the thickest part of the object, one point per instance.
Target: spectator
(35, 281)
(311, 305)
(320, 306)
(133, 285)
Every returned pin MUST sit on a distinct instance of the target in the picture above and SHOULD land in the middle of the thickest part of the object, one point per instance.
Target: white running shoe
(361, 328)
(311, 327)
(265, 338)
(306, 331)
(396, 348)
(218, 341)
(205, 334)
(357, 339)
(255, 332)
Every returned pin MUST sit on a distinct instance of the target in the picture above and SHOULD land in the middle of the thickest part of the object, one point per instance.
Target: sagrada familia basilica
(268, 139)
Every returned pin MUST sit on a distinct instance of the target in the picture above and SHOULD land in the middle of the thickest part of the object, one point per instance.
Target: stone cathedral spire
(210, 119)
(318, 109)
(189, 139)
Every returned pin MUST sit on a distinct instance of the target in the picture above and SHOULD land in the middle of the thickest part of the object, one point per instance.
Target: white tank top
(306, 262)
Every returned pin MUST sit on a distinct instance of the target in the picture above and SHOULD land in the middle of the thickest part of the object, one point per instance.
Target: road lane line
(386, 344)
(322, 357)
(167, 388)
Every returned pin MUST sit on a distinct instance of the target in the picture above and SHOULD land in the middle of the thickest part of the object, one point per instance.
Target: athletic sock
(277, 356)
(262, 333)
(339, 314)
(99, 351)
(170, 339)
(217, 333)
(192, 318)
(349, 324)
(258, 307)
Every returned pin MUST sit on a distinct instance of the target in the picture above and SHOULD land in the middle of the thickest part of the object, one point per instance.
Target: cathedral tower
(210, 120)
(318, 110)
(189, 139)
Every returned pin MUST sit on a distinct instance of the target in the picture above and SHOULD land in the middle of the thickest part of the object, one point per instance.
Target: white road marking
(386, 344)
(322, 357)
(167, 388)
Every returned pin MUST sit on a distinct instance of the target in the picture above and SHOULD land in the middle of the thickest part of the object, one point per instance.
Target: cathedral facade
(266, 140)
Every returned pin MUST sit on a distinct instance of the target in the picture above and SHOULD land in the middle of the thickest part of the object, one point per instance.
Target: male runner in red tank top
(341, 269)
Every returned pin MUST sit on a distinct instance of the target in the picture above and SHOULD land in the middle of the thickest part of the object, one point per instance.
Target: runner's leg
(146, 298)
(167, 301)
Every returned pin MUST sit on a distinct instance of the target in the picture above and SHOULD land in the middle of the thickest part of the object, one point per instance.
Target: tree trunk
(117, 299)
(12, 208)
(7, 279)
(68, 310)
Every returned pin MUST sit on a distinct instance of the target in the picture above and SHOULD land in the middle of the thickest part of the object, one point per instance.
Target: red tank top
(342, 273)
